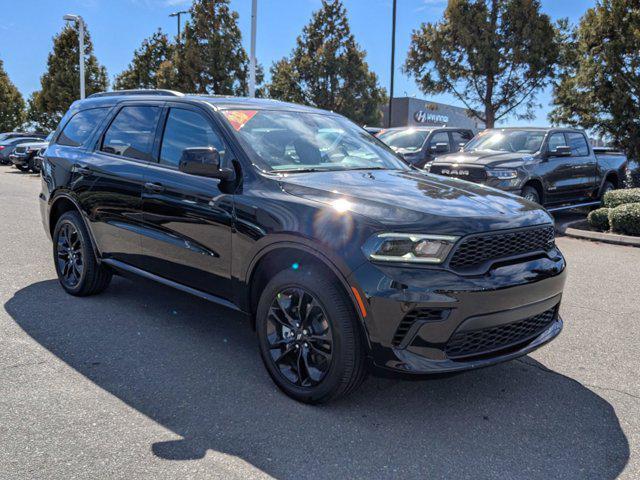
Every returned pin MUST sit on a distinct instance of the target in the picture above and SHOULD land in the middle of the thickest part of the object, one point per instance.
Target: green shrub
(599, 219)
(615, 198)
(625, 219)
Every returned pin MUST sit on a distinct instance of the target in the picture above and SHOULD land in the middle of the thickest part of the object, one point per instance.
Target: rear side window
(187, 129)
(578, 144)
(78, 130)
(132, 132)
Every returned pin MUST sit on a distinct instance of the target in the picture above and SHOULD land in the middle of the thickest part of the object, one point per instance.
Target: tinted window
(132, 132)
(517, 141)
(78, 130)
(460, 138)
(410, 139)
(578, 144)
(440, 137)
(556, 140)
(187, 129)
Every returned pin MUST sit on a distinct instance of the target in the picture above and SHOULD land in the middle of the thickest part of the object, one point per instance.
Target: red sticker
(238, 118)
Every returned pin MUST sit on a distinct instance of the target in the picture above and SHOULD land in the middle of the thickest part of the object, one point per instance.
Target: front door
(188, 219)
(569, 178)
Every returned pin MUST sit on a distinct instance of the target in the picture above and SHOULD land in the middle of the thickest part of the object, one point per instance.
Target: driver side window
(439, 137)
(187, 129)
(556, 140)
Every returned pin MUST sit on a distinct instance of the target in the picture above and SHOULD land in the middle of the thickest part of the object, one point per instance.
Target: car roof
(219, 102)
(538, 129)
(424, 128)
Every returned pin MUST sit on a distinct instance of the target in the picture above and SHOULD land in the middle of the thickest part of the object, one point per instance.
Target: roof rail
(141, 91)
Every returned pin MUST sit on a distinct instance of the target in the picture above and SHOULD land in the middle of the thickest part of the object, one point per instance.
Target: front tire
(607, 187)
(309, 336)
(531, 194)
(78, 271)
(23, 168)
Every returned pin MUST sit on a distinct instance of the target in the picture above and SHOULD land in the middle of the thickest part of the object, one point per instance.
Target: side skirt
(118, 265)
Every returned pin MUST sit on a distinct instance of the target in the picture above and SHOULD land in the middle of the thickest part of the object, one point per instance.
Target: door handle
(154, 187)
(82, 170)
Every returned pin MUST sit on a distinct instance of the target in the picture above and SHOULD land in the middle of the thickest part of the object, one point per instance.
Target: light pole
(177, 14)
(78, 19)
(393, 60)
(252, 56)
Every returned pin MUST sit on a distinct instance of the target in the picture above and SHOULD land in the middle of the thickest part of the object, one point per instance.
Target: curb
(570, 230)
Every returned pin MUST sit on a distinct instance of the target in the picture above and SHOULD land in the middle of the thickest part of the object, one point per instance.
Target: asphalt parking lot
(146, 382)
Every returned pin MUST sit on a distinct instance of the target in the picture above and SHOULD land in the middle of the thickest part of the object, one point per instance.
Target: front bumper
(403, 342)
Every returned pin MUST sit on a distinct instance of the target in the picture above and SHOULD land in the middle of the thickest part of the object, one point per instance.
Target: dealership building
(408, 111)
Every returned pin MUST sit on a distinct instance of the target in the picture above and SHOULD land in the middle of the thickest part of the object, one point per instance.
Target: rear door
(188, 218)
(108, 180)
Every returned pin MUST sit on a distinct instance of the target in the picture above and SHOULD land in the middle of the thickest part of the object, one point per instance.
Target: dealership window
(132, 132)
(439, 137)
(578, 144)
(78, 130)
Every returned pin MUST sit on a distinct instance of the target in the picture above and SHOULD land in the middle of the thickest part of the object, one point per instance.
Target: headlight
(502, 173)
(409, 247)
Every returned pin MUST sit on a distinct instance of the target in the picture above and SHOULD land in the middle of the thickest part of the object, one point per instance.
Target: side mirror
(204, 162)
(440, 148)
(561, 151)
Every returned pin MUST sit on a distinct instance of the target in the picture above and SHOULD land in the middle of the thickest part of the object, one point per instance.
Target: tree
(143, 69)
(327, 69)
(599, 89)
(12, 113)
(211, 58)
(61, 82)
(493, 55)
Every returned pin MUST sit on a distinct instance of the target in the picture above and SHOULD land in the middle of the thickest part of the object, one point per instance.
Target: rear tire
(23, 168)
(78, 270)
(310, 341)
(607, 187)
(531, 194)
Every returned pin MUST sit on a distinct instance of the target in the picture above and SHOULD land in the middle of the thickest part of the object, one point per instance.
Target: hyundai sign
(422, 116)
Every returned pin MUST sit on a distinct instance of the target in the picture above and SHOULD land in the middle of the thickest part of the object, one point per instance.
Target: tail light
(1, 147)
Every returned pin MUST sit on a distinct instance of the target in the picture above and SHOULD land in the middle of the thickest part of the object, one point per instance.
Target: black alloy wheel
(309, 335)
(78, 269)
(69, 255)
(299, 337)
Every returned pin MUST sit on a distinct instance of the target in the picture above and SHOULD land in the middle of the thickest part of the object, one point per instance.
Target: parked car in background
(419, 145)
(7, 147)
(24, 156)
(554, 167)
(10, 135)
(344, 258)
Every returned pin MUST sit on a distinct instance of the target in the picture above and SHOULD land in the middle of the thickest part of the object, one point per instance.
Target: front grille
(20, 150)
(487, 340)
(417, 315)
(461, 171)
(473, 251)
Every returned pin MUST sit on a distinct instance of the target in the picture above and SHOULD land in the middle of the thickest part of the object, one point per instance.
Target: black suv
(345, 259)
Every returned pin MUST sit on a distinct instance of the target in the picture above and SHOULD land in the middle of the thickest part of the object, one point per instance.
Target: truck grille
(475, 250)
(462, 171)
(487, 340)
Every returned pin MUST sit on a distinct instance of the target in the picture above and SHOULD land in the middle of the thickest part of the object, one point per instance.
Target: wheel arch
(282, 255)
(63, 203)
(538, 185)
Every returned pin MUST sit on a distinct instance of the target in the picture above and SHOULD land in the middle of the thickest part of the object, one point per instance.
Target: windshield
(410, 139)
(517, 141)
(284, 141)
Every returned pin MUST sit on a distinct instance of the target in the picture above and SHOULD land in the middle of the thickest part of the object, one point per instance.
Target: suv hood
(485, 158)
(415, 201)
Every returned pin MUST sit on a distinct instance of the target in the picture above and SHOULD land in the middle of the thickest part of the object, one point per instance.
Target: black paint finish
(208, 236)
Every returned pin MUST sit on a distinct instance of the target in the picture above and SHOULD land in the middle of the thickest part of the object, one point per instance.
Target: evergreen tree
(327, 69)
(143, 69)
(211, 58)
(61, 82)
(493, 55)
(12, 113)
(600, 87)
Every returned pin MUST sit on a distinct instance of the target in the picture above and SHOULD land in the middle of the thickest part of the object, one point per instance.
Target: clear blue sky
(118, 27)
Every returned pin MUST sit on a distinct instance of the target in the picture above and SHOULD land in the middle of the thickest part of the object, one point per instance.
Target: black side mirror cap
(204, 162)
